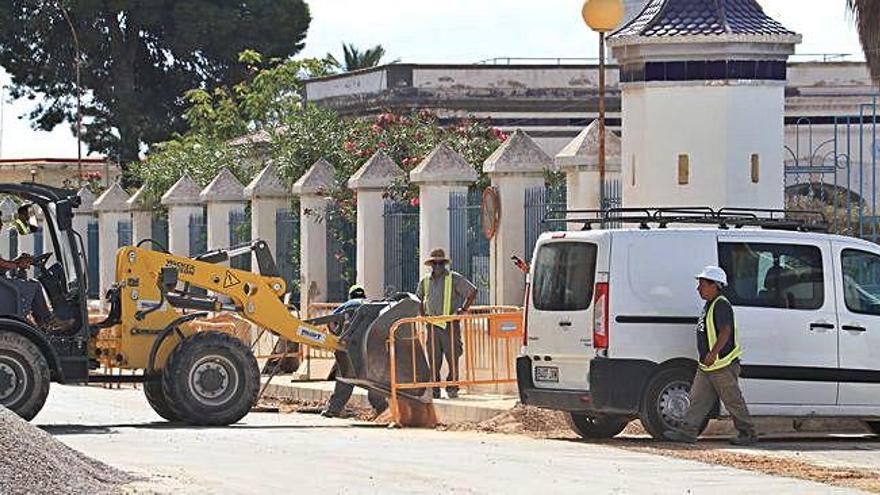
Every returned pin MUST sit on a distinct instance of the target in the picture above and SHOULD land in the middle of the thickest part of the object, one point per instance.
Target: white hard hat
(714, 274)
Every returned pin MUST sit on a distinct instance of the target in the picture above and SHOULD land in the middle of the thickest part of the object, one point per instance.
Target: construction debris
(524, 420)
(34, 462)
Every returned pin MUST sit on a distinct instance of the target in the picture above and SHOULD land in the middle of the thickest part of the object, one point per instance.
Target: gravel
(525, 420)
(31, 461)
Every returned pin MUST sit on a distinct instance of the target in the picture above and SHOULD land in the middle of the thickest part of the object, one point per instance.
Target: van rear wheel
(597, 427)
(666, 401)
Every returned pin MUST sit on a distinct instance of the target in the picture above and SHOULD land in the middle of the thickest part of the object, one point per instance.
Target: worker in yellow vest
(444, 292)
(718, 370)
(22, 222)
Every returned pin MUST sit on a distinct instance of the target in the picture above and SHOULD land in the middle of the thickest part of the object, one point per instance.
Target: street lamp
(76, 47)
(602, 16)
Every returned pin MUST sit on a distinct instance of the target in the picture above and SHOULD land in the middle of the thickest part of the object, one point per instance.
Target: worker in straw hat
(444, 292)
(718, 370)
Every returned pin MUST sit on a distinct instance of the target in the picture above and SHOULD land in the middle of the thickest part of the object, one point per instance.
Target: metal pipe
(601, 120)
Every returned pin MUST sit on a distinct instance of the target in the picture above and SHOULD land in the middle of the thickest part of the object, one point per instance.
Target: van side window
(861, 281)
(564, 275)
(782, 276)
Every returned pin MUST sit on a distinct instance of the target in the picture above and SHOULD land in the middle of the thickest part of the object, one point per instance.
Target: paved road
(308, 454)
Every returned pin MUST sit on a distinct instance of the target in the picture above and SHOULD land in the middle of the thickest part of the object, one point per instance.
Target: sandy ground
(272, 452)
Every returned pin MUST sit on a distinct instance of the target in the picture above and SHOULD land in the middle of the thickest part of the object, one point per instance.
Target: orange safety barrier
(490, 342)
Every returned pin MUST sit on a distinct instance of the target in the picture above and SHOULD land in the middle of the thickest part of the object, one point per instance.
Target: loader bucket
(366, 359)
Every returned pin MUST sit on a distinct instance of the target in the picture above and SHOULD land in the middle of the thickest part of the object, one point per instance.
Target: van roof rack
(724, 218)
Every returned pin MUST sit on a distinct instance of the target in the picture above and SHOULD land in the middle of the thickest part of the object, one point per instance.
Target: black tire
(24, 375)
(211, 379)
(666, 400)
(156, 398)
(597, 427)
(874, 426)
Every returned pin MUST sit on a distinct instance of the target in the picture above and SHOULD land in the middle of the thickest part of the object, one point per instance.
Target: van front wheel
(666, 401)
(597, 427)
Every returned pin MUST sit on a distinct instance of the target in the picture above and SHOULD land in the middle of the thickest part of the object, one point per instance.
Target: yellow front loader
(211, 377)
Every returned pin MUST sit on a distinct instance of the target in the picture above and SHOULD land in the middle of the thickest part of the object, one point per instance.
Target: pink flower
(350, 146)
(383, 145)
(376, 128)
(414, 202)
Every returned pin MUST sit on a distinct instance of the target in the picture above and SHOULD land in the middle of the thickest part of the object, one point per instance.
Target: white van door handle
(822, 325)
(564, 323)
(854, 328)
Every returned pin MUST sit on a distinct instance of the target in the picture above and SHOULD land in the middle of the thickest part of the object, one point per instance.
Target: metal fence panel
(469, 248)
(123, 233)
(287, 242)
(198, 235)
(93, 261)
(402, 267)
(540, 201)
(341, 253)
(159, 230)
(239, 234)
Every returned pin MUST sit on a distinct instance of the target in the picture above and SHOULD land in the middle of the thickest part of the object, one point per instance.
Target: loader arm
(149, 300)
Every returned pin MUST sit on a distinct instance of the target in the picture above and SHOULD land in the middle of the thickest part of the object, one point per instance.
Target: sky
(455, 31)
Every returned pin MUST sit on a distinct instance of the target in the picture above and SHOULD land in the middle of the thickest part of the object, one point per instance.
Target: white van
(610, 317)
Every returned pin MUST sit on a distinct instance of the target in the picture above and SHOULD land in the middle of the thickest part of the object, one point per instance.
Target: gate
(832, 167)
(539, 202)
(123, 233)
(287, 257)
(159, 230)
(240, 234)
(341, 252)
(93, 260)
(198, 235)
(469, 248)
(402, 267)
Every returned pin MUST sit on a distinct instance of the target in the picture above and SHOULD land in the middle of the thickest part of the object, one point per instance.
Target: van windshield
(564, 275)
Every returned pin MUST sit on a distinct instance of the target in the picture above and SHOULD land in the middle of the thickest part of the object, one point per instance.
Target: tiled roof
(664, 18)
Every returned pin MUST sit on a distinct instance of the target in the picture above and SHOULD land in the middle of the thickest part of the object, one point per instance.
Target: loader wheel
(24, 375)
(666, 401)
(158, 401)
(211, 379)
(597, 427)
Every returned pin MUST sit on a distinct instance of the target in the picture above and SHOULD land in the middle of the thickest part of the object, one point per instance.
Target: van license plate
(546, 374)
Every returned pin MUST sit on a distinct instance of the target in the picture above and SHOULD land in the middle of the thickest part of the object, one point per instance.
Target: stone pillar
(267, 195)
(141, 217)
(580, 162)
(111, 208)
(441, 173)
(516, 165)
(7, 211)
(311, 189)
(182, 201)
(224, 196)
(370, 183)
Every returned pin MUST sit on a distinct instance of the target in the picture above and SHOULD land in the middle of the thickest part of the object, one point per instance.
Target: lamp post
(602, 16)
(79, 169)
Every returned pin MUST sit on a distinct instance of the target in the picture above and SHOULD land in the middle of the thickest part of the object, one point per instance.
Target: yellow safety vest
(21, 227)
(447, 296)
(712, 336)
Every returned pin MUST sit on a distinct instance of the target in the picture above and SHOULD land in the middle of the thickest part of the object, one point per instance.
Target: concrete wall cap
(7, 209)
(138, 201)
(319, 177)
(113, 199)
(378, 173)
(444, 165)
(223, 188)
(518, 155)
(184, 192)
(583, 150)
(87, 199)
(266, 184)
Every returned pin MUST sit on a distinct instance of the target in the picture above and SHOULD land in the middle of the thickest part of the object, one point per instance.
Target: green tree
(355, 59)
(137, 58)
(867, 14)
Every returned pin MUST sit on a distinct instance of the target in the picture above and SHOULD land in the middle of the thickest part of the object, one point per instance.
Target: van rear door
(560, 313)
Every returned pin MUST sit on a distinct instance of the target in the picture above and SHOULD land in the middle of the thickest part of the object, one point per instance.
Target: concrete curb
(465, 409)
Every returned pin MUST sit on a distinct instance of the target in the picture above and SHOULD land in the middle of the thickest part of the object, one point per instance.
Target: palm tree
(356, 59)
(867, 14)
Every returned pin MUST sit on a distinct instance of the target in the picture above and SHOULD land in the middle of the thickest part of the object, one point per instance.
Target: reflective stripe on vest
(21, 227)
(712, 336)
(447, 296)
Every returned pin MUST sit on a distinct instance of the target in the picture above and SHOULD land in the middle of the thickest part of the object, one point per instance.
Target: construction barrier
(490, 339)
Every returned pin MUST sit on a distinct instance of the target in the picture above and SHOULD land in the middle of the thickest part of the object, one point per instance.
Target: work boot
(436, 393)
(452, 394)
(742, 440)
(327, 413)
(679, 436)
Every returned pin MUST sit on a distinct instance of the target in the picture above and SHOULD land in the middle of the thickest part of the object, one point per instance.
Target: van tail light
(600, 316)
(525, 323)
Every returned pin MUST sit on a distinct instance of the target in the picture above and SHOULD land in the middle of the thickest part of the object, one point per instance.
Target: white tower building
(703, 104)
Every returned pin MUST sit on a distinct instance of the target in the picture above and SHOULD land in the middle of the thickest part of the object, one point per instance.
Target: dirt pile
(526, 420)
(31, 461)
